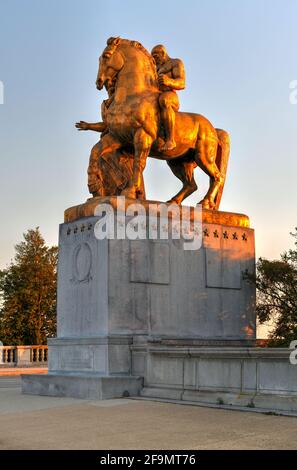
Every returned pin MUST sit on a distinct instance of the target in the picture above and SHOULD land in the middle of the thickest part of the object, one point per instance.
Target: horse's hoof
(173, 201)
(205, 203)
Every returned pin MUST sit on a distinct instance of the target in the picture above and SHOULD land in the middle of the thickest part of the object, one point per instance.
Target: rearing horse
(133, 119)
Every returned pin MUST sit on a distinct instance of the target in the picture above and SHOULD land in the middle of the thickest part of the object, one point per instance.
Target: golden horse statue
(133, 123)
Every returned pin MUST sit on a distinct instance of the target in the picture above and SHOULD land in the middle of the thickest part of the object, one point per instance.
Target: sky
(240, 58)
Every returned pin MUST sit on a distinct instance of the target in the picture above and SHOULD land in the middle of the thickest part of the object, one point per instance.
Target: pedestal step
(285, 404)
(79, 385)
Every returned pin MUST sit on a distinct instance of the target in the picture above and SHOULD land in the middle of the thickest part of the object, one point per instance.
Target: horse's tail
(222, 159)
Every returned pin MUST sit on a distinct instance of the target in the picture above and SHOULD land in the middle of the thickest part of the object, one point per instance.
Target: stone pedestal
(115, 295)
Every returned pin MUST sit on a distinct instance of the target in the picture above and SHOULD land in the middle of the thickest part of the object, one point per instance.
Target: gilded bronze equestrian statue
(141, 119)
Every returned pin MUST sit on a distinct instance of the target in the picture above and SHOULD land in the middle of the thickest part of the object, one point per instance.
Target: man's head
(159, 53)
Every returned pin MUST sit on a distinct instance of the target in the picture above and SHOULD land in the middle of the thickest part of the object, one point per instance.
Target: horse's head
(110, 63)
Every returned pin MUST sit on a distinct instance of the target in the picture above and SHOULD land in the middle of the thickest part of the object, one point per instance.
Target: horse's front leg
(142, 147)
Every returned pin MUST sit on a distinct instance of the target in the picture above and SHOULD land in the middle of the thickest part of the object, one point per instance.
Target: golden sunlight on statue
(141, 119)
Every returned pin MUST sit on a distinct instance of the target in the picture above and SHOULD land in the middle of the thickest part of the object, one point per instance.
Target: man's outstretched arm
(89, 126)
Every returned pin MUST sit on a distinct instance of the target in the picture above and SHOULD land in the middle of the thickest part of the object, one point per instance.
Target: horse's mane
(118, 41)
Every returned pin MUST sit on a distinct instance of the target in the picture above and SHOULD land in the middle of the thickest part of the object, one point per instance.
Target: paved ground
(30, 422)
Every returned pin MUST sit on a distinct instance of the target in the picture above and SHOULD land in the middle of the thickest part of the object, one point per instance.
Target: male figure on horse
(171, 77)
(138, 108)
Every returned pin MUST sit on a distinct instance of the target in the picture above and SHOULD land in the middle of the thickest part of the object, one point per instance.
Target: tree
(276, 283)
(28, 292)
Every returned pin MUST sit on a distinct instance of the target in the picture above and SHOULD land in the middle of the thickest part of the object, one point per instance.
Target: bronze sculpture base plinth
(208, 216)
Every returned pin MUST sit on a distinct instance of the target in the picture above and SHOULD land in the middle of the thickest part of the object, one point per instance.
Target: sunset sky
(239, 57)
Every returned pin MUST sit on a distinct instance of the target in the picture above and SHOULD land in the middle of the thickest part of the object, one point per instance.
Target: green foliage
(28, 293)
(276, 283)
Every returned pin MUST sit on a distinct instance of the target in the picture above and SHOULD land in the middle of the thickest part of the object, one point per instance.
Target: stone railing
(23, 356)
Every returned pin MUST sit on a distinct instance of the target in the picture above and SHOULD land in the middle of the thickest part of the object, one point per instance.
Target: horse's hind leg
(184, 170)
(206, 160)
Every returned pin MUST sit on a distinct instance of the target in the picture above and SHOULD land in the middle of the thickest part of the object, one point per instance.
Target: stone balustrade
(23, 356)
